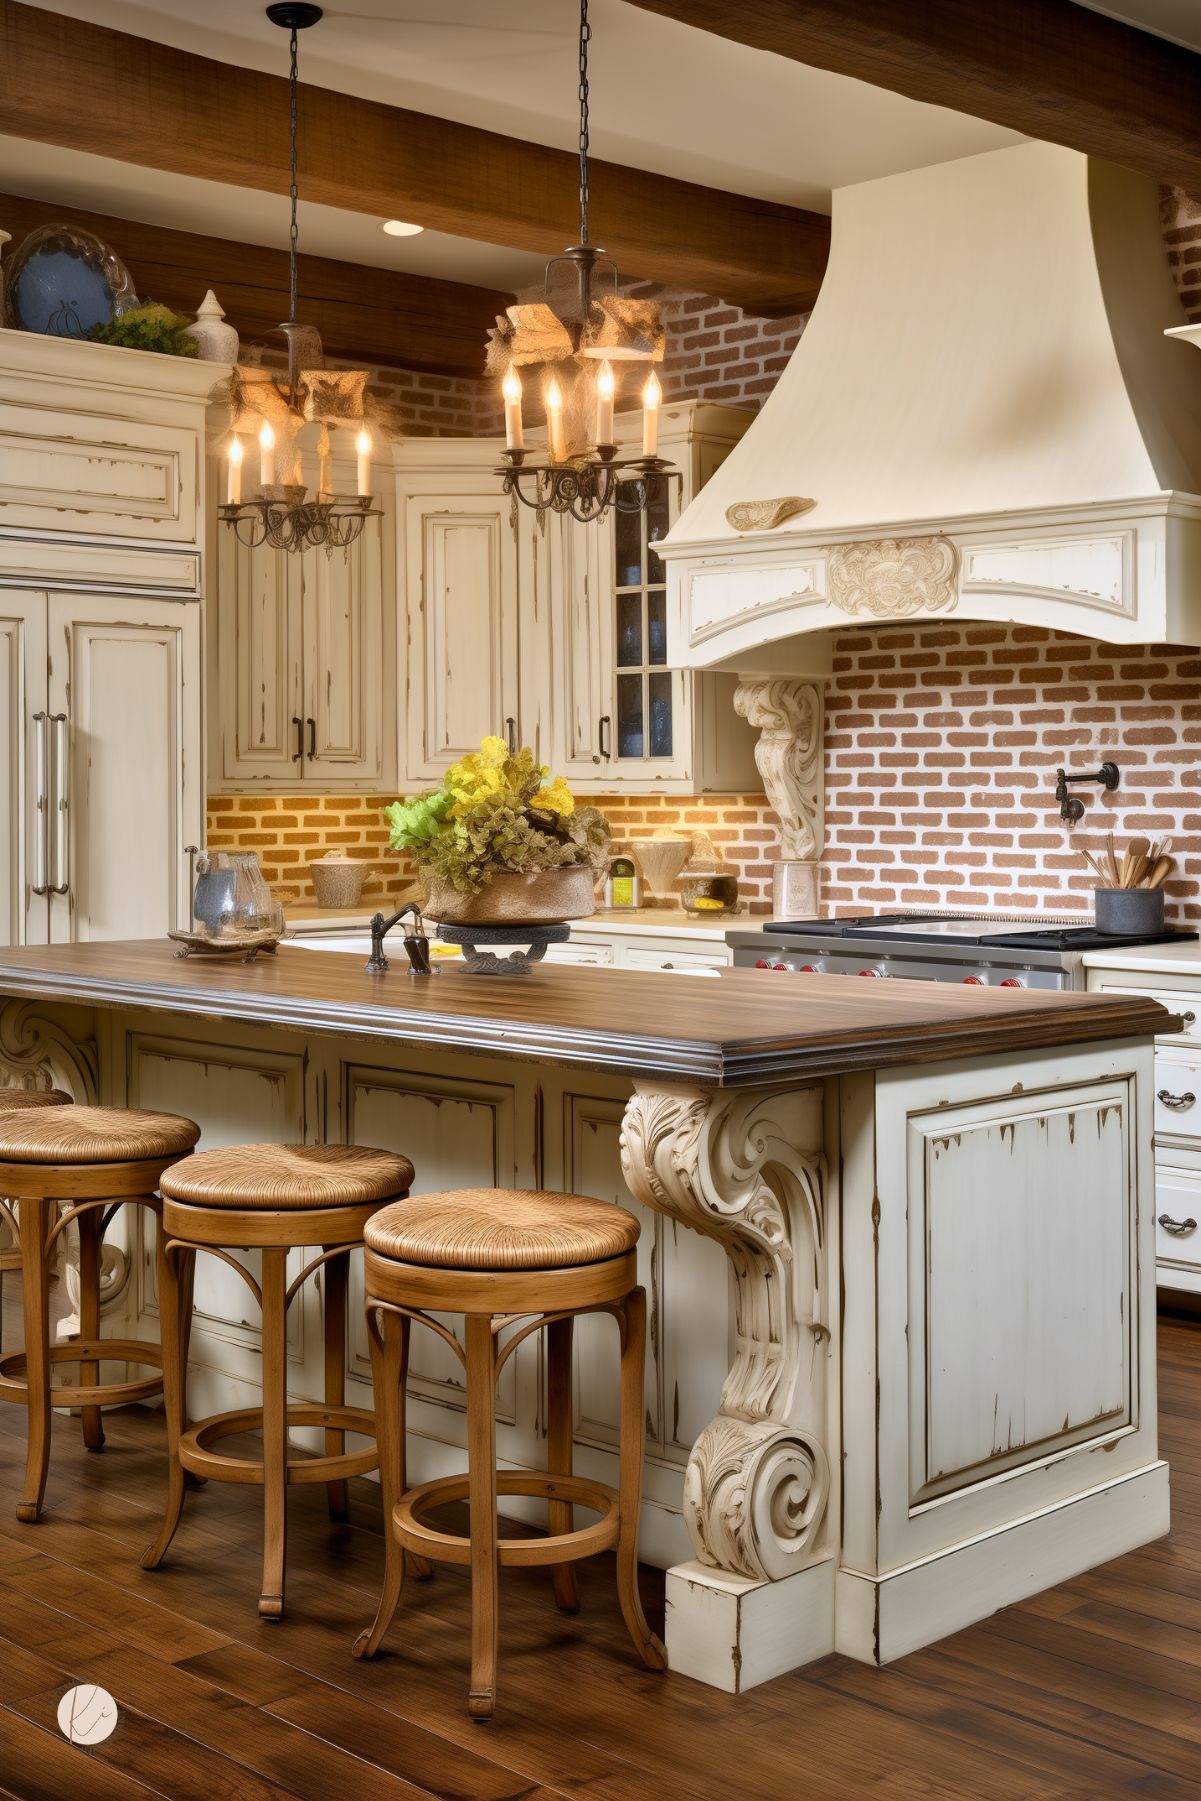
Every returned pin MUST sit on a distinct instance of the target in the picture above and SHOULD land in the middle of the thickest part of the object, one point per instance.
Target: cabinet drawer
(1177, 1096)
(104, 477)
(682, 962)
(1177, 1219)
(63, 563)
(1184, 1002)
(579, 953)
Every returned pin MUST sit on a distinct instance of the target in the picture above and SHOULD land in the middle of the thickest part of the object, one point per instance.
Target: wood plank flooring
(1091, 1690)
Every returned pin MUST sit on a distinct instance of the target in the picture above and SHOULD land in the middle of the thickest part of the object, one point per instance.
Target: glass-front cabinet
(622, 718)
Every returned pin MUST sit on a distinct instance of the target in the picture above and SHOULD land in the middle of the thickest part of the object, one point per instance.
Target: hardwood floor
(1091, 1690)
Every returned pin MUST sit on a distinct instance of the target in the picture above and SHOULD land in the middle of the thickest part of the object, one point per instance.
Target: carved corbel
(747, 1170)
(790, 758)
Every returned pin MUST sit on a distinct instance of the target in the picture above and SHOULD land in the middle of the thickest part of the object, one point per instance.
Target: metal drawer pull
(1179, 1228)
(1190, 1019)
(298, 753)
(1177, 1102)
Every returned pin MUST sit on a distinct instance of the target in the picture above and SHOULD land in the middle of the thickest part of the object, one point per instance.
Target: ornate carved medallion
(893, 578)
(762, 515)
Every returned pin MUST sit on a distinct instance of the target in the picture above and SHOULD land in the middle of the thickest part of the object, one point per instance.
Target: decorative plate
(62, 281)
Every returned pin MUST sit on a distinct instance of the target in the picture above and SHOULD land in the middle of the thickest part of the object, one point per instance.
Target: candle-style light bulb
(266, 454)
(510, 387)
(605, 388)
(362, 446)
(233, 486)
(652, 394)
(554, 423)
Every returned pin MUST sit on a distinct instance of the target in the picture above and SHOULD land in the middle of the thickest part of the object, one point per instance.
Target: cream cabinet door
(24, 775)
(460, 557)
(344, 660)
(125, 775)
(258, 717)
(581, 635)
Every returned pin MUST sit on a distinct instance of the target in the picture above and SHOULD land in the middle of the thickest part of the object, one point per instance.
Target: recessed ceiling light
(397, 228)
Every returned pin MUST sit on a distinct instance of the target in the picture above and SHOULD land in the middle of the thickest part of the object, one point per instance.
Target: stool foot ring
(91, 1394)
(196, 1457)
(560, 1547)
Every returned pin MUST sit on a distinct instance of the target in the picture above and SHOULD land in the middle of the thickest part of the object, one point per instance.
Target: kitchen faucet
(416, 943)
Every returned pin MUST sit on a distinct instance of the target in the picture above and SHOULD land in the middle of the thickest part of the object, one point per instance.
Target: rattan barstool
(498, 1255)
(12, 1100)
(274, 1197)
(92, 1160)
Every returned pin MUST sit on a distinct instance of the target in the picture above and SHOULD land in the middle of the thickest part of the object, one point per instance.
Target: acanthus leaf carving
(893, 578)
(748, 1171)
(789, 757)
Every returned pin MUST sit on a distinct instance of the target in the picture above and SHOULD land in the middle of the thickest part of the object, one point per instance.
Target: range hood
(982, 420)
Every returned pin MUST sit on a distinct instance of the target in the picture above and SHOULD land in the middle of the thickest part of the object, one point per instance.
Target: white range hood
(986, 417)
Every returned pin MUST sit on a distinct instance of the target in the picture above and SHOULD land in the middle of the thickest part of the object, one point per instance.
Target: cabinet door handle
(1190, 1019)
(604, 737)
(312, 725)
(511, 735)
(61, 836)
(1179, 1228)
(41, 841)
(1179, 1103)
(298, 753)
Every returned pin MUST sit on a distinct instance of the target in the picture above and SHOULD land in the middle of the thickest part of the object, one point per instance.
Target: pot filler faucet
(416, 943)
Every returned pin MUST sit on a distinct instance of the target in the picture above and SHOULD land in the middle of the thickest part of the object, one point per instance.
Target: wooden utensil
(1159, 872)
(1111, 858)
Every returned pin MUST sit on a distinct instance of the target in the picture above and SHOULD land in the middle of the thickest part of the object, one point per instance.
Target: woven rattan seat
(501, 1228)
(92, 1135)
(15, 1100)
(277, 1177)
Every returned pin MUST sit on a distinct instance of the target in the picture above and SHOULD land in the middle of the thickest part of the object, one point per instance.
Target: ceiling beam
(84, 87)
(1048, 68)
(363, 314)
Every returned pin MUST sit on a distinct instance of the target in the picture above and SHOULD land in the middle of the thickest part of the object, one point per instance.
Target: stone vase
(216, 342)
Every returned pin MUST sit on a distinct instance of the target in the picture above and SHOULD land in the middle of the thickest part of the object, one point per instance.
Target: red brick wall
(941, 749)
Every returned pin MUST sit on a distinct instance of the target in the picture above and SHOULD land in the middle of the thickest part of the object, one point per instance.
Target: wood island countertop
(741, 1027)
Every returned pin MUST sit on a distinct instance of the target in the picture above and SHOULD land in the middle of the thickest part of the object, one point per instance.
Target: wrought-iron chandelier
(282, 514)
(577, 339)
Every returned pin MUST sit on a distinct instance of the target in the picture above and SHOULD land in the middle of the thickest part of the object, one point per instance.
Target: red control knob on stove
(869, 972)
(762, 963)
(783, 966)
(1012, 982)
(808, 969)
(973, 981)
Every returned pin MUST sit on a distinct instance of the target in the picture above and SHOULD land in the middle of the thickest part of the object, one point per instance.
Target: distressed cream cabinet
(101, 500)
(554, 633)
(304, 650)
(465, 1122)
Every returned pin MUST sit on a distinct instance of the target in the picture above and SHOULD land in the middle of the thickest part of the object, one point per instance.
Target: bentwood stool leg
(389, 1335)
(631, 1317)
(275, 1430)
(172, 1338)
(481, 1499)
(560, 1515)
(335, 1276)
(35, 1282)
(90, 1225)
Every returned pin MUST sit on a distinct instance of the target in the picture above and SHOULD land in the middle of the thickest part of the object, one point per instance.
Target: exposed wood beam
(1048, 68)
(377, 315)
(82, 86)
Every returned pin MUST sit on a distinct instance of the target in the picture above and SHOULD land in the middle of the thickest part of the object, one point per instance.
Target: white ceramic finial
(216, 341)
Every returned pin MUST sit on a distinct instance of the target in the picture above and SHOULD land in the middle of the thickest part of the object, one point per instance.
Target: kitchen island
(902, 1368)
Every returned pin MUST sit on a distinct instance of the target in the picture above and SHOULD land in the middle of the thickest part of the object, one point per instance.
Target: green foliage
(150, 326)
(496, 811)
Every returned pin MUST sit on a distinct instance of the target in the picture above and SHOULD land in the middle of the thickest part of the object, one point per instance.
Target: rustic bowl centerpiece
(505, 852)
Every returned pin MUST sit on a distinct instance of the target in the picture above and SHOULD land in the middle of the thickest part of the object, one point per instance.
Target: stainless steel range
(998, 953)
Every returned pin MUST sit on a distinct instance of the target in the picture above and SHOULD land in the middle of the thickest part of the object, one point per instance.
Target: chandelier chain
(293, 191)
(585, 39)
